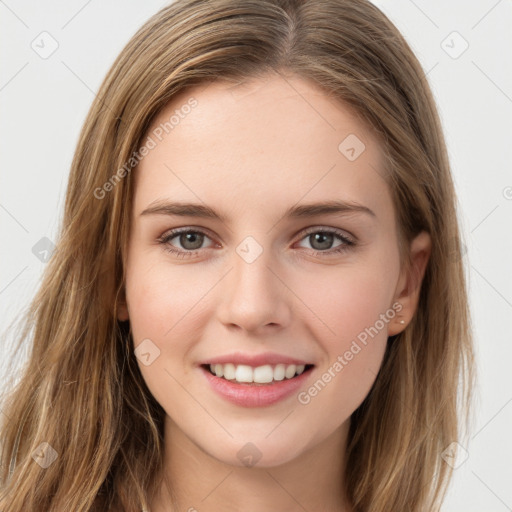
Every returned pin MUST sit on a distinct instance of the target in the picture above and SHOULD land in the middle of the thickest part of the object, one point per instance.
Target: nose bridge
(253, 295)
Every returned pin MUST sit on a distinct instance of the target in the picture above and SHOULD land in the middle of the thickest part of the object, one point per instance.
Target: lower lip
(251, 395)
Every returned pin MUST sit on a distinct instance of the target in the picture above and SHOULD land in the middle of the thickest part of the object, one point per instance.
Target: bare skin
(250, 153)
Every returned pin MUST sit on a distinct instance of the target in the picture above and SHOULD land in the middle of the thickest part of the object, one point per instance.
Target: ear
(408, 288)
(122, 307)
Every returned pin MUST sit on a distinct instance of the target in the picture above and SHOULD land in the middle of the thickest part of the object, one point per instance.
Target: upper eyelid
(336, 231)
(172, 233)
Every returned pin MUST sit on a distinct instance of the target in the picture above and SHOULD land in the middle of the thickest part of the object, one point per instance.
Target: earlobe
(409, 285)
(122, 308)
(122, 312)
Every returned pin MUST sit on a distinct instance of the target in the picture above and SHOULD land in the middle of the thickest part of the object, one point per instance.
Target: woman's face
(252, 279)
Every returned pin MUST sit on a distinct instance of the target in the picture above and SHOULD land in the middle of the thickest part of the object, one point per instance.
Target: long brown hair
(81, 396)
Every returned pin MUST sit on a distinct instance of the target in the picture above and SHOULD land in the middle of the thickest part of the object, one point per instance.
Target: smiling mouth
(259, 376)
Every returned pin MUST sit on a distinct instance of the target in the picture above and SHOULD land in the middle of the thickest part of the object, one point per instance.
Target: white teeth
(290, 371)
(229, 371)
(263, 374)
(243, 373)
(279, 371)
(260, 375)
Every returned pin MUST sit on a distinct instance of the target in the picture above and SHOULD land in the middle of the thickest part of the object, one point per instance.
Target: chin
(258, 452)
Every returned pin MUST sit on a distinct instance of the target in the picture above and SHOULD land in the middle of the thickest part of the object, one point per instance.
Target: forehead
(268, 141)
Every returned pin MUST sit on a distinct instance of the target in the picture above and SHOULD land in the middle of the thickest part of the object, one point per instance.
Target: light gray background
(44, 103)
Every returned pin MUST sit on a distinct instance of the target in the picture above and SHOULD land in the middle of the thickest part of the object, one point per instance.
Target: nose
(254, 296)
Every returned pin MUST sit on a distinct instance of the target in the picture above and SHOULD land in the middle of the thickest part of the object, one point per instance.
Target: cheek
(166, 306)
(351, 316)
(345, 301)
(162, 299)
(163, 308)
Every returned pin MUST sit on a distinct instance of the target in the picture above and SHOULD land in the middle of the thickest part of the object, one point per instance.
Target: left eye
(325, 239)
(191, 241)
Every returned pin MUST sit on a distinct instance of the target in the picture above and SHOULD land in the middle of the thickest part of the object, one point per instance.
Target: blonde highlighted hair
(81, 390)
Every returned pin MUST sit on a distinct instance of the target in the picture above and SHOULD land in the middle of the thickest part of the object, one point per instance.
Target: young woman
(256, 301)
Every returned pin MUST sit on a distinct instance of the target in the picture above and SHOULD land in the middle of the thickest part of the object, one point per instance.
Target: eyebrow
(334, 207)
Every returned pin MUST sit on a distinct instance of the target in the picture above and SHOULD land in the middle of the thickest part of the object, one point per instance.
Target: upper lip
(254, 359)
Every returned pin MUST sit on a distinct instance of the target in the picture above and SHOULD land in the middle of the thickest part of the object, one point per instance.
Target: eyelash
(166, 238)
